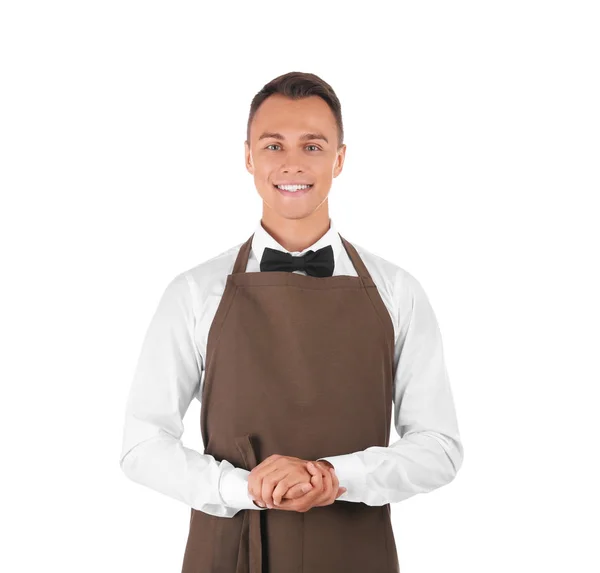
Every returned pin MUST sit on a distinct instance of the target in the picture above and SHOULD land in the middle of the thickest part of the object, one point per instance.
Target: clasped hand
(293, 484)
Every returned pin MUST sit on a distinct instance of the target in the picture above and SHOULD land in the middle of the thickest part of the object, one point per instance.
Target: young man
(307, 343)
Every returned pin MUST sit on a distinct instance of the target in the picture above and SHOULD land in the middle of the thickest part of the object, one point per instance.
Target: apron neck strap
(360, 267)
(241, 261)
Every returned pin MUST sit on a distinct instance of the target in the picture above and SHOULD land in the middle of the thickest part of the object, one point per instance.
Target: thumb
(298, 490)
(312, 468)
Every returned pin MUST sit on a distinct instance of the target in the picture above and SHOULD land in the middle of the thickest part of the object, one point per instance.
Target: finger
(335, 485)
(315, 470)
(259, 472)
(280, 490)
(297, 491)
(319, 481)
(297, 479)
(327, 486)
(259, 481)
(269, 484)
(288, 472)
(301, 500)
(255, 481)
(280, 483)
(288, 505)
(324, 467)
(317, 478)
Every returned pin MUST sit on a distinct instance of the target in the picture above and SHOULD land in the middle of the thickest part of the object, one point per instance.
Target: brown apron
(300, 366)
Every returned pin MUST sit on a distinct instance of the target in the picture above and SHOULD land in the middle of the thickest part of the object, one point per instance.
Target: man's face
(286, 148)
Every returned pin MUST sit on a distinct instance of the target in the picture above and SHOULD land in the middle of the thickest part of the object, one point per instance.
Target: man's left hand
(277, 475)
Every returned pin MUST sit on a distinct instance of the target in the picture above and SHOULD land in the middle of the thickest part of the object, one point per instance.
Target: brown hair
(296, 85)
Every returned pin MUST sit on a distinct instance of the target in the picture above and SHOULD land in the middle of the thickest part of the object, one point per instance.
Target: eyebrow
(303, 137)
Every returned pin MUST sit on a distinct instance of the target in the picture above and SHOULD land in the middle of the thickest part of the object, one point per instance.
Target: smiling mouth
(294, 188)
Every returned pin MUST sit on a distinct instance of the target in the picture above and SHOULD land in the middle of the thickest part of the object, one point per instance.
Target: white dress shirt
(170, 374)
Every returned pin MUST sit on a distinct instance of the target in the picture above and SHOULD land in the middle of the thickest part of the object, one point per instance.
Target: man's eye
(277, 145)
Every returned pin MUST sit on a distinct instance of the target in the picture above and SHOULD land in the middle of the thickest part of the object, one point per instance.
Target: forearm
(198, 480)
(166, 380)
(418, 463)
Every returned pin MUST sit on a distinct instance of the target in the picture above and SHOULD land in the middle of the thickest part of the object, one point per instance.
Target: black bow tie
(317, 263)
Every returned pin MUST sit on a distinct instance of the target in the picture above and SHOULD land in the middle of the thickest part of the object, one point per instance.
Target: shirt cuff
(233, 488)
(351, 475)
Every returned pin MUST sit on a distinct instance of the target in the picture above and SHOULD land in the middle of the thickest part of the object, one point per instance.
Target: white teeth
(292, 188)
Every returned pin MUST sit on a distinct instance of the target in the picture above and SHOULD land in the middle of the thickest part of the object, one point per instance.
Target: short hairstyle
(297, 85)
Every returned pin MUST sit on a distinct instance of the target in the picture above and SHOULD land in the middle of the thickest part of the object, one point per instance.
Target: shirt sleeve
(166, 379)
(429, 452)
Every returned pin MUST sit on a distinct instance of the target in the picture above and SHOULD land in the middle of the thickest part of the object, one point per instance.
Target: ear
(339, 161)
(249, 161)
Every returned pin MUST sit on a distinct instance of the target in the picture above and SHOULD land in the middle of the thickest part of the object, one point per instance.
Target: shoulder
(400, 290)
(388, 275)
(213, 269)
(191, 287)
(195, 285)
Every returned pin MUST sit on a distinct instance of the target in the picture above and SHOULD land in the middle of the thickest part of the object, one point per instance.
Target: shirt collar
(262, 239)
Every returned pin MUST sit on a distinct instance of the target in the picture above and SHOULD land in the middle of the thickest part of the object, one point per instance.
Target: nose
(292, 162)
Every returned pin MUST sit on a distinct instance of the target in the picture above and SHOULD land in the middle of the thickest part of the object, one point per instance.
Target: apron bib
(301, 366)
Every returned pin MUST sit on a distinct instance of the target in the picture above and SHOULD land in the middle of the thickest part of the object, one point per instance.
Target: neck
(296, 234)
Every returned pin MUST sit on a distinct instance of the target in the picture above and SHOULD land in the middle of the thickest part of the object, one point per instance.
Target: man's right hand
(325, 482)
(294, 492)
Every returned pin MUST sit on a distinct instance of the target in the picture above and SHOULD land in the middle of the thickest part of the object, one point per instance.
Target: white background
(472, 132)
